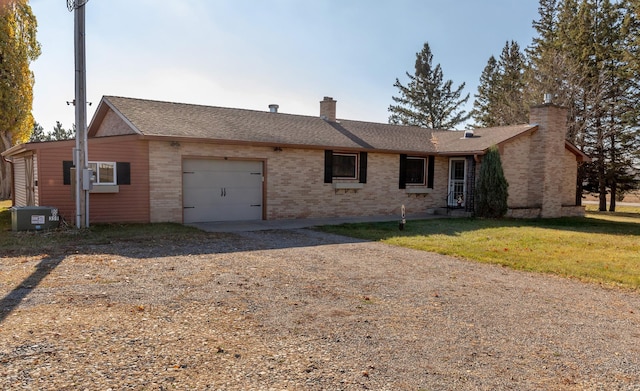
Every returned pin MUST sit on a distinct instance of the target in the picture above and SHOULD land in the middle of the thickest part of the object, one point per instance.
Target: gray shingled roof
(179, 120)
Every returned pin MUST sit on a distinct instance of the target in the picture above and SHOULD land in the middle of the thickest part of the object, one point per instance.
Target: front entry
(457, 182)
(221, 190)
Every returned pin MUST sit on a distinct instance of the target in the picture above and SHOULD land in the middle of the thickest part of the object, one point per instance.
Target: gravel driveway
(304, 310)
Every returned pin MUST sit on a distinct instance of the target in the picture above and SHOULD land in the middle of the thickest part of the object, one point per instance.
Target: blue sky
(251, 53)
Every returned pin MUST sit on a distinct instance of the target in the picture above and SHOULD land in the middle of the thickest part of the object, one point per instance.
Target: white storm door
(457, 182)
(221, 190)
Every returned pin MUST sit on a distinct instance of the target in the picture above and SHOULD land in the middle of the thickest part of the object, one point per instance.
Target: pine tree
(428, 101)
(492, 188)
(607, 89)
(511, 86)
(59, 133)
(631, 107)
(486, 99)
(585, 55)
(38, 134)
(543, 55)
(501, 93)
(18, 47)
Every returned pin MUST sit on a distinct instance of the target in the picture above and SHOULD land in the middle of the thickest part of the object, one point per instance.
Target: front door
(457, 182)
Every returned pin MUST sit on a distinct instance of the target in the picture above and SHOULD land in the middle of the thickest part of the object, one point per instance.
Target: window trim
(96, 174)
(428, 172)
(356, 169)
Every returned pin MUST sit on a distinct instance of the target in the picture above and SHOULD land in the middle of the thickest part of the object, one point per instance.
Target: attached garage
(222, 190)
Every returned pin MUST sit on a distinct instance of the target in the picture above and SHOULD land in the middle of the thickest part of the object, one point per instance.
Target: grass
(621, 213)
(48, 241)
(602, 247)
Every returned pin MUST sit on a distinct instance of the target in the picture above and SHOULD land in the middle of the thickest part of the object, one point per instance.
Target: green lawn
(602, 248)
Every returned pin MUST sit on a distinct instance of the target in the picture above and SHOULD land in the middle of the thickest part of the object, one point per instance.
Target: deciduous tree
(18, 48)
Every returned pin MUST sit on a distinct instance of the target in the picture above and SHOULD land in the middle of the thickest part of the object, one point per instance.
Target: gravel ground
(304, 310)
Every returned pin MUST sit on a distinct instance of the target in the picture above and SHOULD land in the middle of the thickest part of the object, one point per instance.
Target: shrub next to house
(492, 187)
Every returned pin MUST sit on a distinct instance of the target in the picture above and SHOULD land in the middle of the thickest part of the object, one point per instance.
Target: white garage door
(221, 190)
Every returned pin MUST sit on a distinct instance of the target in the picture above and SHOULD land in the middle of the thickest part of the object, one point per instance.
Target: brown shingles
(449, 142)
(392, 137)
(156, 118)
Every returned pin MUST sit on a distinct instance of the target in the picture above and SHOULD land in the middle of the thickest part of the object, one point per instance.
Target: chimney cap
(273, 108)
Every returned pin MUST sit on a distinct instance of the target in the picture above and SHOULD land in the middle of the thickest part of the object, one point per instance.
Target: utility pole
(80, 152)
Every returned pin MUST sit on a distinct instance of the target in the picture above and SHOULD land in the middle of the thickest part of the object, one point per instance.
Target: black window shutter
(363, 167)
(66, 172)
(430, 170)
(328, 166)
(123, 173)
(403, 172)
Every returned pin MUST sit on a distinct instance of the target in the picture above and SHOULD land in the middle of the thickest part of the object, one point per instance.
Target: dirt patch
(304, 310)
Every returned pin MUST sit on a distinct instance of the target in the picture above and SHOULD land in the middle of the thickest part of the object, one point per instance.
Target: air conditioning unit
(34, 218)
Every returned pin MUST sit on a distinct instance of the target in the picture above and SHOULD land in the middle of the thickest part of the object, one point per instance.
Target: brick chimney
(328, 109)
(547, 158)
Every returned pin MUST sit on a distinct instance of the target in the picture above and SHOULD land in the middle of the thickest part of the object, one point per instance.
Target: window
(104, 173)
(415, 171)
(345, 165)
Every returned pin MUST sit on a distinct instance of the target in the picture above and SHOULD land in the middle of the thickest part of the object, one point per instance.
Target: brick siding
(294, 182)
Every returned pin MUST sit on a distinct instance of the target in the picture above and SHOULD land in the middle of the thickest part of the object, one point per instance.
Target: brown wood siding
(50, 188)
(130, 204)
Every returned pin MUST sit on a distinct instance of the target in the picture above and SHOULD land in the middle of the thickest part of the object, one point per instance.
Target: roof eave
(580, 156)
(15, 150)
(282, 145)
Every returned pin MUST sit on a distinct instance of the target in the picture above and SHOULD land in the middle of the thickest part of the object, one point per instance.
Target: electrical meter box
(34, 218)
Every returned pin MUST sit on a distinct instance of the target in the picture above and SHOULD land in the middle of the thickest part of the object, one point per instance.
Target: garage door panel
(222, 190)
